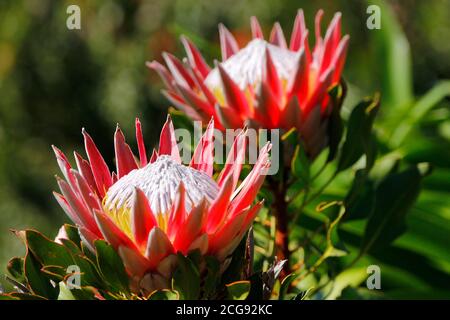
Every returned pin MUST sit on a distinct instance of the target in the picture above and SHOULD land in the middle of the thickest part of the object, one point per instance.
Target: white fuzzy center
(246, 66)
(160, 181)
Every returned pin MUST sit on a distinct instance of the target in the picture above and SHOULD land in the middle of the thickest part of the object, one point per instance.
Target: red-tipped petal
(218, 210)
(199, 81)
(331, 41)
(124, 156)
(195, 58)
(233, 94)
(339, 58)
(88, 237)
(298, 31)
(227, 233)
(135, 263)
(178, 70)
(228, 43)
(178, 212)
(251, 215)
(194, 100)
(270, 77)
(235, 160)
(191, 228)
(256, 28)
(320, 93)
(168, 141)
(162, 72)
(142, 218)
(277, 36)
(267, 110)
(317, 21)
(158, 246)
(84, 168)
(201, 243)
(203, 157)
(111, 232)
(89, 196)
(298, 84)
(154, 156)
(78, 207)
(247, 191)
(66, 207)
(64, 165)
(140, 143)
(98, 165)
(228, 117)
(114, 177)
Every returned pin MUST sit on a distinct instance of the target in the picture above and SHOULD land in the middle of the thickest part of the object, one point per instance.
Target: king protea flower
(150, 210)
(267, 84)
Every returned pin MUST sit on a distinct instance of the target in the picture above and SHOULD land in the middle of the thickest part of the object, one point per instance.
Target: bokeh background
(54, 81)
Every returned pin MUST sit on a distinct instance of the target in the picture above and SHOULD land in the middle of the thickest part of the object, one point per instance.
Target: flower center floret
(160, 182)
(246, 66)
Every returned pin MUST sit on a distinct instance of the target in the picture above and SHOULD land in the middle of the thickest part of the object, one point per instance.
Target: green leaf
(46, 251)
(73, 234)
(347, 278)
(64, 292)
(395, 59)
(55, 273)
(4, 296)
(89, 271)
(111, 267)
(302, 295)
(38, 282)
(360, 200)
(73, 248)
(394, 197)
(26, 296)
(164, 295)
(285, 284)
(186, 279)
(418, 111)
(335, 127)
(15, 268)
(238, 290)
(212, 278)
(84, 293)
(358, 140)
(300, 165)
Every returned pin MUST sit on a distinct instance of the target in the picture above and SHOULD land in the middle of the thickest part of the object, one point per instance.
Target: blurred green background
(54, 81)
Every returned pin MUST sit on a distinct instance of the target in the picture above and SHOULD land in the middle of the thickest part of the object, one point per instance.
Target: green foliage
(111, 267)
(186, 279)
(238, 290)
(359, 140)
(395, 215)
(44, 271)
(394, 197)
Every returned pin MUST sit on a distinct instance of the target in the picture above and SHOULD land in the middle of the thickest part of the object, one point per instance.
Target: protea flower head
(269, 84)
(150, 210)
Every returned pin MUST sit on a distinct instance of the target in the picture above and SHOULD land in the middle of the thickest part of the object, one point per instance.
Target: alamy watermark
(374, 279)
(73, 21)
(373, 22)
(224, 153)
(73, 280)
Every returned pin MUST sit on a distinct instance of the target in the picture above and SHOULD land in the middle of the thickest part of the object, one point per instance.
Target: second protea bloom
(150, 210)
(267, 83)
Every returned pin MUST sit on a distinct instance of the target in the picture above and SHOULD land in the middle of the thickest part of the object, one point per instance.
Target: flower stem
(280, 211)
